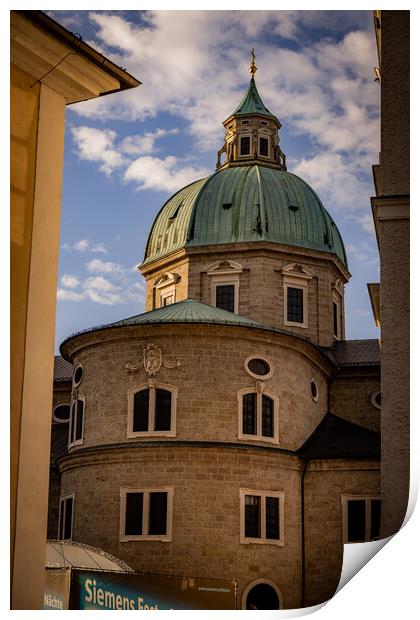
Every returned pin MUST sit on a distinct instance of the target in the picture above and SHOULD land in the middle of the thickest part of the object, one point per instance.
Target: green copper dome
(244, 204)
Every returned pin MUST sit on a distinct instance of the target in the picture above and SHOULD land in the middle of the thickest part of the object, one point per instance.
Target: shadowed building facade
(229, 431)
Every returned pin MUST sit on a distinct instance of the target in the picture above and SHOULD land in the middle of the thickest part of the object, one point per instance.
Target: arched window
(258, 415)
(152, 410)
(262, 594)
(77, 419)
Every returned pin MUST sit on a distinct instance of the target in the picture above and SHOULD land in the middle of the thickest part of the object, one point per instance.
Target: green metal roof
(252, 103)
(244, 204)
(188, 311)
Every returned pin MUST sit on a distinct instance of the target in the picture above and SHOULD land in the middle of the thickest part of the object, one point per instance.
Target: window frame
(62, 502)
(57, 420)
(152, 386)
(76, 384)
(146, 513)
(76, 442)
(225, 280)
(266, 137)
(337, 299)
(241, 135)
(245, 540)
(258, 436)
(265, 359)
(368, 510)
(296, 279)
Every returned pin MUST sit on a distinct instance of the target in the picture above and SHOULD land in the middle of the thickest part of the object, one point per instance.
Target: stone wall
(212, 370)
(206, 510)
(261, 291)
(324, 483)
(350, 396)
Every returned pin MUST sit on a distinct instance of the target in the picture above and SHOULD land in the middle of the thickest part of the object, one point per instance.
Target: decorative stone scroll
(152, 361)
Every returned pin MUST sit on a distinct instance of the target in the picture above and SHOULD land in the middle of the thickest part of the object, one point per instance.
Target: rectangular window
(225, 297)
(264, 147)
(335, 319)
(65, 517)
(245, 145)
(146, 514)
(151, 411)
(163, 410)
(158, 513)
(141, 411)
(252, 516)
(76, 422)
(134, 514)
(294, 305)
(267, 416)
(249, 414)
(262, 517)
(361, 518)
(258, 416)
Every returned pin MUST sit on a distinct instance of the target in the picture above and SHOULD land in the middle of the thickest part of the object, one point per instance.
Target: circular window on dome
(78, 375)
(314, 390)
(258, 367)
(376, 399)
(61, 414)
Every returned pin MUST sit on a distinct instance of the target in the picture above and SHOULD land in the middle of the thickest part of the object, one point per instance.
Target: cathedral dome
(246, 203)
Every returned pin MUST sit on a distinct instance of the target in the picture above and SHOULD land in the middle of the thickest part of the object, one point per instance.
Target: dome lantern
(251, 132)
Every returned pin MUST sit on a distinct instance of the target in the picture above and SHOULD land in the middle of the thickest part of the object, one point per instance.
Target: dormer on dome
(251, 133)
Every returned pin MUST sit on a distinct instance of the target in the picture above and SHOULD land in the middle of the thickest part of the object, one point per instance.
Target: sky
(126, 153)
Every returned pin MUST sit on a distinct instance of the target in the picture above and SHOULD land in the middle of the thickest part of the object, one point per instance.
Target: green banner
(119, 591)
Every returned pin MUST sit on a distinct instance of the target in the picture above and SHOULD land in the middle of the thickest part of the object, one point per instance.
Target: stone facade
(261, 284)
(224, 481)
(206, 463)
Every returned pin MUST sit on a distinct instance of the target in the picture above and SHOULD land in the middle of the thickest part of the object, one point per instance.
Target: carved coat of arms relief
(152, 361)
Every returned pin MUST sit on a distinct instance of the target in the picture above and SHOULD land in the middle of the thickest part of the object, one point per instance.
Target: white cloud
(162, 174)
(323, 90)
(99, 248)
(82, 245)
(145, 143)
(65, 295)
(98, 145)
(97, 265)
(99, 283)
(69, 281)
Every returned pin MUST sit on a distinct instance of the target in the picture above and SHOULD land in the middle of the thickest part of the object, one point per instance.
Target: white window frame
(57, 420)
(267, 137)
(146, 505)
(243, 134)
(368, 503)
(337, 298)
(256, 582)
(62, 503)
(264, 359)
(152, 386)
(259, 436)
(164, 287)
(74, 374)
(280, 495)
(76, 442)
(292, 278)
(225, 277)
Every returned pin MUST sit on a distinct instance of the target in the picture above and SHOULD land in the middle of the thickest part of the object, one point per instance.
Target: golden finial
(253, 67)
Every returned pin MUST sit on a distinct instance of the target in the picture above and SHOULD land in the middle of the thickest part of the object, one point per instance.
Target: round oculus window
(376, 399)
(78, 375)
(258, 367)
(61, 414)
(314, 390)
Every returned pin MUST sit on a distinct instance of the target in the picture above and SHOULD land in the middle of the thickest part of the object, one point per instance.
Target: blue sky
(125, 154)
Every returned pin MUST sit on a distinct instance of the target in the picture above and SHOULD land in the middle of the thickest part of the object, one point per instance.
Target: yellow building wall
(37, 143)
